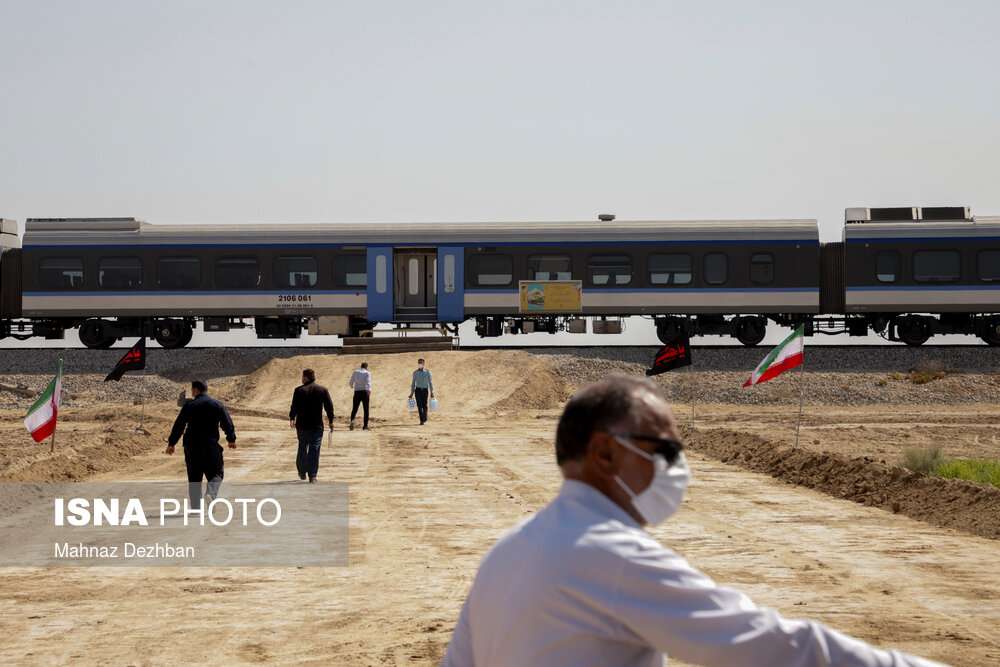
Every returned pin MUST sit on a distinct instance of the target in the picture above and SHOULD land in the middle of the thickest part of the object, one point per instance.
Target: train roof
(114, 231)
(978, 227)
(917, 223)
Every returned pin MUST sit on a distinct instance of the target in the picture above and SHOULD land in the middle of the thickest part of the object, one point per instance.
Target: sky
(247, 111)
(283, 112)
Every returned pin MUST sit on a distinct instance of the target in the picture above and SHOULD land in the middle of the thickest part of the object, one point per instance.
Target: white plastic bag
(411, 404)
(432, 404)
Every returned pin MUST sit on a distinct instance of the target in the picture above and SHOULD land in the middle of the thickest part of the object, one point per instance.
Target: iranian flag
(785, 356)
(41, 418)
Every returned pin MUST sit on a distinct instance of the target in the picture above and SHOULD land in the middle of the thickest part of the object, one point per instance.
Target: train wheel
(751, 330)
(669, 329)
(992, 335)
(92, 335)
(172, 335)
(913, 330)
(188, 335)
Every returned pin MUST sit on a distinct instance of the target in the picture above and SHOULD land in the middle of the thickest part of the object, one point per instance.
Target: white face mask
(662, 498)
(420, 366)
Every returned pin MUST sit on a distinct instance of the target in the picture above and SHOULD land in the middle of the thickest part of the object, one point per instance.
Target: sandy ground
(426, 502)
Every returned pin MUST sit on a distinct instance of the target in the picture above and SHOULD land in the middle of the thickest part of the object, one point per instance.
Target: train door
(451, 284)
(379, 282)
(415, 287)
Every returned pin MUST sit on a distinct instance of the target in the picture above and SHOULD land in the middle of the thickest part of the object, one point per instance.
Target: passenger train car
(923, 272)
(906, 273)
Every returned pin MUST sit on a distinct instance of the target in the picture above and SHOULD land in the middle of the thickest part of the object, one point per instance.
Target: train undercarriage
(176, 332)
(911, 329)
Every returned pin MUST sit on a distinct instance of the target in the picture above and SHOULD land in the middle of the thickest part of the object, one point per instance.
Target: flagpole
(52, 443)
(142, 418)
(691, 379)
(799, 424)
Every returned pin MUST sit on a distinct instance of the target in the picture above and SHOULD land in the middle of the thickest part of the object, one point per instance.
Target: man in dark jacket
(306, 417)
(199, 421)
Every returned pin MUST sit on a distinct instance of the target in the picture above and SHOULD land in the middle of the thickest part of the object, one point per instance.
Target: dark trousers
(360, 398)
(310, 440)
(203, 461)
(421, 396)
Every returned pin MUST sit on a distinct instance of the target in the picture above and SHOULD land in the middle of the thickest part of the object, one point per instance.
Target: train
(906, 274)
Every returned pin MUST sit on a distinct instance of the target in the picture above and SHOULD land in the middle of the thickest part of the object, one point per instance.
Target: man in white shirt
(361, 382)
(581, 582)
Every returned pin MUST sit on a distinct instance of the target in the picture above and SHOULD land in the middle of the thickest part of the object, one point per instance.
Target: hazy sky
(249, 111)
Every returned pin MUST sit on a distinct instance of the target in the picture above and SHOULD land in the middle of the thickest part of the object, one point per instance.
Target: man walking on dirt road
(199, 420)
(306, 416)
(420, 385)
(581, 581)
(361, 382)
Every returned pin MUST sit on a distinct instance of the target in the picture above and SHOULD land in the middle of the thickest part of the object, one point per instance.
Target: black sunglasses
(668, 448)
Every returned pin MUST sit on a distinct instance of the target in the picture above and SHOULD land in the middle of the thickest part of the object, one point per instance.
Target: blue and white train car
(923, 271)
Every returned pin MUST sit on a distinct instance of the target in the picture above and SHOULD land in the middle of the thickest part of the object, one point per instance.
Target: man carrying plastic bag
(419, 387)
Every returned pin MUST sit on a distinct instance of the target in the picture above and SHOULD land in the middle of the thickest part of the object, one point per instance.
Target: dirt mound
(542, 389)
(465, 383)
(91, 442)
(952, 503)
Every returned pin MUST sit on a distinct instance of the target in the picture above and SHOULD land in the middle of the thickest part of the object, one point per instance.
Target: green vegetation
(929, 461)
(986, 471)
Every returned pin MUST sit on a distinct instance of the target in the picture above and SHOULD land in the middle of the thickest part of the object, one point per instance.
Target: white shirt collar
(591, 498)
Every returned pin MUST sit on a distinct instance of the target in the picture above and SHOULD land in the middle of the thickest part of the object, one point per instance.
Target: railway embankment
(844, 375)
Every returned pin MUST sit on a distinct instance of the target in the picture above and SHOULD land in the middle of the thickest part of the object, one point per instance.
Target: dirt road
(426, 502)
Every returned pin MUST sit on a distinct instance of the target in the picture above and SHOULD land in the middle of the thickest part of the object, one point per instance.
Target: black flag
(134, 360)
(674, 354)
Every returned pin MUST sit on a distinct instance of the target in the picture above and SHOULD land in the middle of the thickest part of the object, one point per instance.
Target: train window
(492, 270)
(449, 273)
(233, 272)
(300, 271)
(119, 273)
(988, 266)
(350, 271)
(60, 273)
(549, 267)
(609, 269)
(762, 268)
(936, 266)
(716, 267)
(381, 277)
(178, 272)
(669, 269)
(887, 266)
